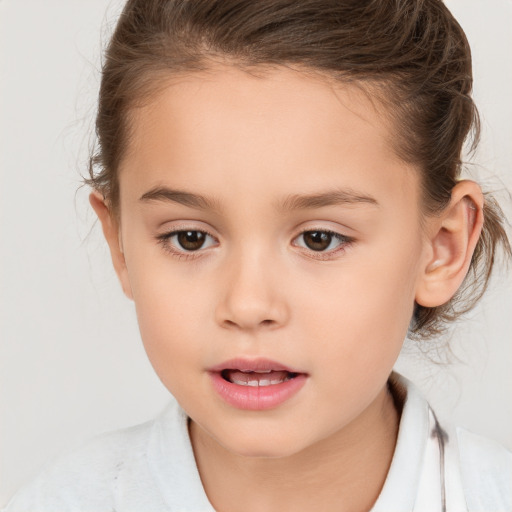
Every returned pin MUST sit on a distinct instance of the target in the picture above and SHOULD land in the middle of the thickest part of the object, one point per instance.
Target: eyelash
(165, 240)
(344, 242)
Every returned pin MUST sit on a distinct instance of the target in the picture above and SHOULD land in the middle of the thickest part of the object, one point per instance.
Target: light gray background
(71, 362)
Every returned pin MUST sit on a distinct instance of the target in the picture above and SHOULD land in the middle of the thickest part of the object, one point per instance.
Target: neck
(344, 472)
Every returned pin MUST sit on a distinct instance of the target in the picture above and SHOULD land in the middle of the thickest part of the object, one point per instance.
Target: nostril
(264, 323)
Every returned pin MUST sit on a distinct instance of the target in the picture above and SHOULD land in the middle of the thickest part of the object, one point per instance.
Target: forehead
(262, 98)
(280, 125)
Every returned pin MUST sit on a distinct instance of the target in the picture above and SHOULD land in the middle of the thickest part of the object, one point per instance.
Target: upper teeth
(256, 382)
(257, 377)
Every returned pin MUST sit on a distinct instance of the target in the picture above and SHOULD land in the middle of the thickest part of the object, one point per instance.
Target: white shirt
(151, 467)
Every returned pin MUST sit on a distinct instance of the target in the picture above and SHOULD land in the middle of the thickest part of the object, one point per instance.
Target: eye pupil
(317, 240)
(191, 240)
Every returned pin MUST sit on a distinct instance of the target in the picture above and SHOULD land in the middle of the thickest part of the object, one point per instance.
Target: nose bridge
(252, 296)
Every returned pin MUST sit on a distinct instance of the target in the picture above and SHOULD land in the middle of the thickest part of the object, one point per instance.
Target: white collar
(424, 474)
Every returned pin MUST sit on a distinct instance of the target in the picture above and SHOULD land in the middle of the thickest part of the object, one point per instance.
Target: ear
(452, 238)
(111, 231)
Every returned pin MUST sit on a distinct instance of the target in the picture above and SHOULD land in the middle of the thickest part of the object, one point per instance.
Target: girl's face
(267, 225)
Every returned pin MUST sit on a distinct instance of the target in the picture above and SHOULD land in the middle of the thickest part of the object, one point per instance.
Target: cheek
(367, 304)
(171, 317)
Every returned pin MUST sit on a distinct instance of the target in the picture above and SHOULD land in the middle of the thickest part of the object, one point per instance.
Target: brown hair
(412, 54)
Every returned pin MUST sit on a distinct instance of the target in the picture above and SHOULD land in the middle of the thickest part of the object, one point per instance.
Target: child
(278, 183)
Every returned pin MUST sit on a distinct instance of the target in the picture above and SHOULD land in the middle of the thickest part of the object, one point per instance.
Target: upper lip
(252, 365)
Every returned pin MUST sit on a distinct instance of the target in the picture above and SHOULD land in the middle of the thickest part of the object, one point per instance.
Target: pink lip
(259, 364)
(255, 398)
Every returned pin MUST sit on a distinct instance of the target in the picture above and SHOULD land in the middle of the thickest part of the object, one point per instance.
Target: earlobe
(451, 242)
(111, 231)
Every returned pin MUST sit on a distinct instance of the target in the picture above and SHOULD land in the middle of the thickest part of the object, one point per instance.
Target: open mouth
(256, 384)
(257, 378)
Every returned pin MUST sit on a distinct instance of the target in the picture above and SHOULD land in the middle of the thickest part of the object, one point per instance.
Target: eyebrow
(181, 197)
(329, 198)
(290, 203)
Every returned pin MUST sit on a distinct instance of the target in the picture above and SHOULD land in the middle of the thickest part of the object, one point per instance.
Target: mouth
(256, 384)
(257, 378)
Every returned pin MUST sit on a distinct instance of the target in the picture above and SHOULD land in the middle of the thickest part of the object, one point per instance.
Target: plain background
(71, 362)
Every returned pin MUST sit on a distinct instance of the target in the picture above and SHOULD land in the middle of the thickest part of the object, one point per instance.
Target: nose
(252, 295)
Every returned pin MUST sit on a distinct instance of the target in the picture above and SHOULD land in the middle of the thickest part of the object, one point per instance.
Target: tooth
(252, 383)
(260, 380)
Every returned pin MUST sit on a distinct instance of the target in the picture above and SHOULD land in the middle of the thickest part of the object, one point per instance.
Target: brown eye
(317, 240)
(183, 241)
(322, 241)
(191, 240)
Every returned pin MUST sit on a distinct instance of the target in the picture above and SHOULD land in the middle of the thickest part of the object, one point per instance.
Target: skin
(255, 289)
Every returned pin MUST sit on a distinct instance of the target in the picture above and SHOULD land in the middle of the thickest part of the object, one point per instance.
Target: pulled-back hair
(411, 55)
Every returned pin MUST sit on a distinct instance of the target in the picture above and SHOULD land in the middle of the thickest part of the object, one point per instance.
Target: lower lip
(257, 398)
